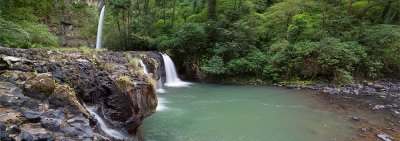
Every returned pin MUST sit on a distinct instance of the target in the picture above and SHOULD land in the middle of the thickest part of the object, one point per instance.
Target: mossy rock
(43, 83)
(64, 95)
(123, 83)
(17, 75)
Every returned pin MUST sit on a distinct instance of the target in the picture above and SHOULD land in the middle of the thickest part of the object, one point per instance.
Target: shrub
(40, 34)
(12, 34)
(214, 66)
(123, 83)
(343, 77)
(383, 43)
(190, 39)
(43, 83)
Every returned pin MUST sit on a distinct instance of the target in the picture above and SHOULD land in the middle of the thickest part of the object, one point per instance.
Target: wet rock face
(49, 89)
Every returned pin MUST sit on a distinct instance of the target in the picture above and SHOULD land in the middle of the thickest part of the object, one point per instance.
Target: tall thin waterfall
(171, 75)
(100, 28)
(104, 127)
(144, 67)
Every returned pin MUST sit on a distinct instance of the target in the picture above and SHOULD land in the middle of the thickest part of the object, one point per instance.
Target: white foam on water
(162, 104)
(161, 90)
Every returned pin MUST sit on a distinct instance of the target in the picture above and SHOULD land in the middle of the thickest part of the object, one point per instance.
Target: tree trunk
(385, 11)
(194, 6)
(212, 9)
(212, 15)
(173, 13)
(146, 6)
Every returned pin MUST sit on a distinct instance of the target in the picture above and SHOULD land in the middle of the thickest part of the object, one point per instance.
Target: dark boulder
(14, 129)
(26, 136)
(2, 126)
(5, 137)
(31, 116)
(43, 137)
(56, 114)
(51, 124)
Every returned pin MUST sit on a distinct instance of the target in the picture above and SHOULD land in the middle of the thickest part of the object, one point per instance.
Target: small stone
(78, 119)
(5, 137)
(384, 137)
(369, 90)
(51, 124)
(70, 131)
(57, 114)
(99, 137)
(26, 136)
(2, 126)
(364, 129)
(15, 129)
(331, 90)
(32, 116)
(356, 92)
(378, 86)
(44, 137)
(355, 118)
(3, 134)
(377, 107)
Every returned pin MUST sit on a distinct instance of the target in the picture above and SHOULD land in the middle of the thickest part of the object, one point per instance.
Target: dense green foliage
(274, 40)
(34, 23)
(271, 40)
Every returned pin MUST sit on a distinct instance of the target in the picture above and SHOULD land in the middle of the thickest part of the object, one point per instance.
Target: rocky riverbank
(373, 107)
(44, 94)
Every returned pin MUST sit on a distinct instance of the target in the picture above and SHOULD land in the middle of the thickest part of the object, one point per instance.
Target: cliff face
(75, 22)
(34, 82)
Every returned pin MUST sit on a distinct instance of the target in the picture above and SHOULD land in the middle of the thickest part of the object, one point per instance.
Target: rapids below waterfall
(104, 127)
(208, 112)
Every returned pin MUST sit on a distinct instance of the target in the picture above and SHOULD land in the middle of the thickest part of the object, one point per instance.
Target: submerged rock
(378, 107)
(384, 137)
(355, 118)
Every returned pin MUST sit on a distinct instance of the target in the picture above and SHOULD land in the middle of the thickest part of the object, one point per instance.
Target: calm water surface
(207, 112)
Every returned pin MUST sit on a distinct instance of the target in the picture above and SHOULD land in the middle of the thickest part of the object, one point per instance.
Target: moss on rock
(43, 83)
(123, 83)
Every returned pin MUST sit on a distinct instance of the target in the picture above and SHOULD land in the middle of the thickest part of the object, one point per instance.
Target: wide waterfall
(145, 71)
(104, 127)
(171, 75)
(100, 28)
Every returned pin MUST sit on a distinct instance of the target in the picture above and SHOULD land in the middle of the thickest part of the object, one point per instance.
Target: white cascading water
(100, 28)
(144, 67)
(161, 104)
(104, 127)
(170, 73)
(160, 88)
